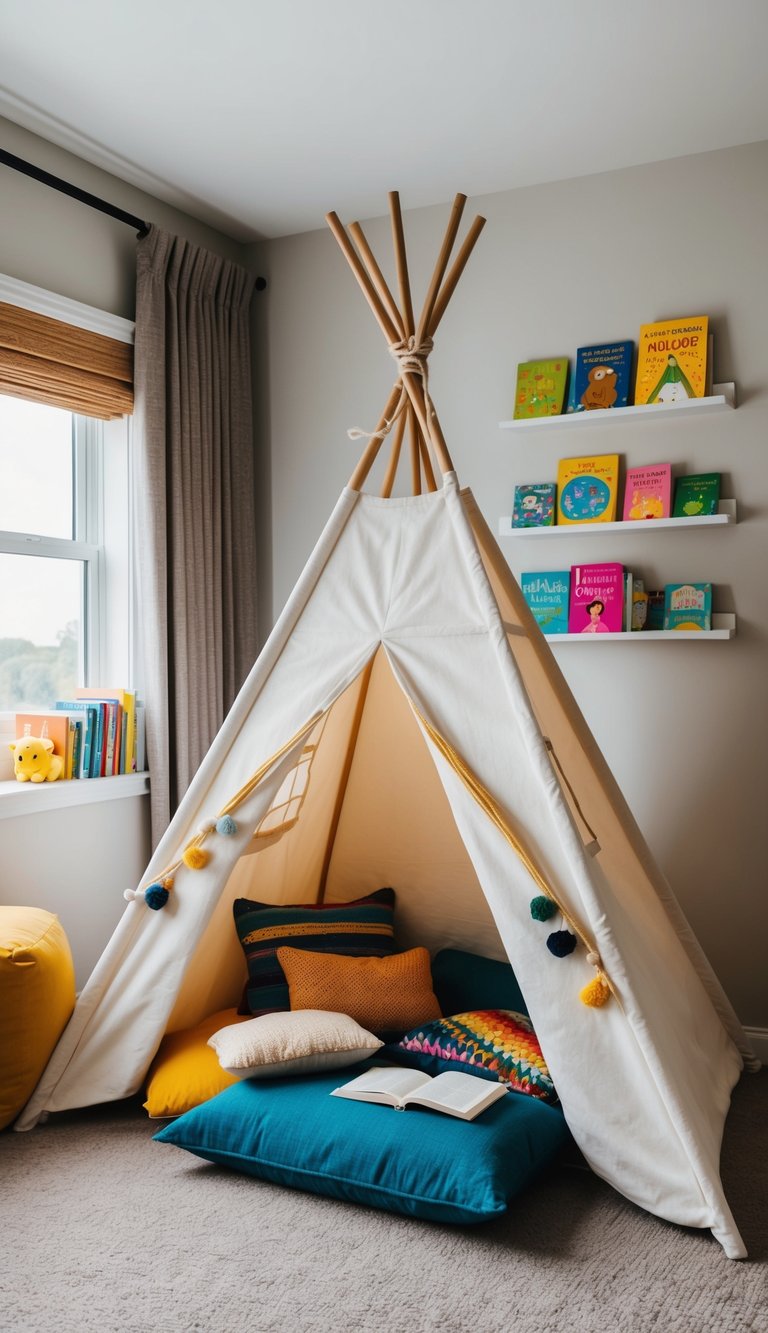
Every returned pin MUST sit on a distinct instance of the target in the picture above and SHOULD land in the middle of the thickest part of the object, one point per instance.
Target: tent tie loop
(411, 359)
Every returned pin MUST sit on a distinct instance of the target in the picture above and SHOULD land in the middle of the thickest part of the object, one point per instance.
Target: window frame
(102, 502)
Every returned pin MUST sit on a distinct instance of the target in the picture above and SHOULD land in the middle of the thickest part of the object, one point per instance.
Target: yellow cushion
(382, 994)
(37, 996)
(185, 1071)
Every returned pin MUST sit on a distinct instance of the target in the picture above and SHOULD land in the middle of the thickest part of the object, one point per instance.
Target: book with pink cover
(648, 492)
(597, 599)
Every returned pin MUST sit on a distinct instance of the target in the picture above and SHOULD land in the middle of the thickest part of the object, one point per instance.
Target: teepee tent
(406, 724)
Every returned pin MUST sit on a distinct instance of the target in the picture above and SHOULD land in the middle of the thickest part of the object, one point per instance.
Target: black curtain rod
(83, 197)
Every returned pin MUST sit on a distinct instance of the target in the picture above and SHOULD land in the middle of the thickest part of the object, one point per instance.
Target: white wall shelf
(722, 398)
(726, 515)
(723, 627)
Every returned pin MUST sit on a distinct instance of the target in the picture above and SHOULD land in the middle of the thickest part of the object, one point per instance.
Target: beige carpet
(103, 1231)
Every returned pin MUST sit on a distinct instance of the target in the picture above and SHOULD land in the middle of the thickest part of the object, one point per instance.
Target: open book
(462, 1095)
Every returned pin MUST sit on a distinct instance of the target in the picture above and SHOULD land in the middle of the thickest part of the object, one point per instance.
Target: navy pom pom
(226, 825)
(156, 897)
(542, 908)
(561, 943)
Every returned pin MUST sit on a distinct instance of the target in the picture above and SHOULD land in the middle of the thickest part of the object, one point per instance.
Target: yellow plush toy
(34, 760)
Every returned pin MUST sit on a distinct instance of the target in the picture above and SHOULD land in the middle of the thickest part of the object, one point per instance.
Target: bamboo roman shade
(49, 361)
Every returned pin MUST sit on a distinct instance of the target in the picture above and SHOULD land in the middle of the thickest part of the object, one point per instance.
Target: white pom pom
(594, 959)
(131, 895)
(207, 826)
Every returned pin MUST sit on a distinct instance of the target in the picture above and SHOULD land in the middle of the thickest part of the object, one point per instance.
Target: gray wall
(683, 724)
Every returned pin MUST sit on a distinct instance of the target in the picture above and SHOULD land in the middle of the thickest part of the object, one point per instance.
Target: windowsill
(30, 798)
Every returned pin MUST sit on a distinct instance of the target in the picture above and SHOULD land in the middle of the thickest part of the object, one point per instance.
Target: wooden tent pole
(369, 291)
(394, 458)
(440, 267)
(401, 260)
(459, 264)
(377, 277)
(374, 444)
(354, 732)
(415, 450)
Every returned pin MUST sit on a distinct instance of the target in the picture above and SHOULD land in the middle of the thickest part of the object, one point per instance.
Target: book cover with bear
(602, 377)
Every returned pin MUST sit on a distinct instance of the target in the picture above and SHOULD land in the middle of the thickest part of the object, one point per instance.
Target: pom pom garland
(226, 825)
(561, 943)
(207, 826)
(156, 897)
(542, 908)
(131, 895)
(595, 993)
(195, 858)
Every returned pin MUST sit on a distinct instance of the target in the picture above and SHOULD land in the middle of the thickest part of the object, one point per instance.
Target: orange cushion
(382, 994)
(185, 1071)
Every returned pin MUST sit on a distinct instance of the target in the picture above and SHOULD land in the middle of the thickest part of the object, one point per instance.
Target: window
(49, 560)
(66, 394)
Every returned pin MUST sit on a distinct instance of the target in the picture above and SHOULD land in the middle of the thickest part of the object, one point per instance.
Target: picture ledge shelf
(723, 627)
(723, 396)
(726, 515)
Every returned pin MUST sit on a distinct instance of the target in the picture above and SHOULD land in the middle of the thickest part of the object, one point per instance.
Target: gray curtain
(194, 511)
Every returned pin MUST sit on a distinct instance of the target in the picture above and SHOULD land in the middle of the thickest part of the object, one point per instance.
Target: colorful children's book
(89, 712)
(546, 593)
(125, 716)
(587, 488)
(647, 492)
(540, 390)
(688, 606)
(697, 495)
(672, 360)
(601, 377)
(534, 505)
(597, 599)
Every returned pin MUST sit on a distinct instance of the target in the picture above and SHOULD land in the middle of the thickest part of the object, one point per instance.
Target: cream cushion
(292, 1043)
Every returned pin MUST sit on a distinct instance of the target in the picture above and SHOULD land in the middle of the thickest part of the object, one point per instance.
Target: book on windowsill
(452, 1093)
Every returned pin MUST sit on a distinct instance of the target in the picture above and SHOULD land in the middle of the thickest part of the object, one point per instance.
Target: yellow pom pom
(195, 858)
(595, 993)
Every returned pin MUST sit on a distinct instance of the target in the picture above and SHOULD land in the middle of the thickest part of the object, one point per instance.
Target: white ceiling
(259, 117)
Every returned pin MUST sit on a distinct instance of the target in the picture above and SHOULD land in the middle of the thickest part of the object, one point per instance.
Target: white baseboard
(758, 1040)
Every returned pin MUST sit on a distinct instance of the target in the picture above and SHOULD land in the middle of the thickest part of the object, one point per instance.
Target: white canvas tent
(446, 757)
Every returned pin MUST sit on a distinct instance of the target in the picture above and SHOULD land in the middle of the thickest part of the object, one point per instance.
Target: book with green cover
(546, 593)
(688, 606)
(540, 390)
(697, 495)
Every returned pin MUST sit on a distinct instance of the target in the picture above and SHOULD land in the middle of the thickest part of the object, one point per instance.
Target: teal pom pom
(542, 908)
(156, 897)
(561, 943)
(226, 825)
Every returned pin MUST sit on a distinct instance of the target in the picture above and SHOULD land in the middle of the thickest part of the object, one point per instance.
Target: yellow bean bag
(37, 996)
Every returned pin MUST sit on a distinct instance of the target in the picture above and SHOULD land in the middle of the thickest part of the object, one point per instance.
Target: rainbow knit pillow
(496, 1044)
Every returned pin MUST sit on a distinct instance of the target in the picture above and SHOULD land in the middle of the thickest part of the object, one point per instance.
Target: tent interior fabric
(407, 725)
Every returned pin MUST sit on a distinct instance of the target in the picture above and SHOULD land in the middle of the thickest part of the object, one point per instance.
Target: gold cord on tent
(597, 991)
(408, 343)
(188, 856)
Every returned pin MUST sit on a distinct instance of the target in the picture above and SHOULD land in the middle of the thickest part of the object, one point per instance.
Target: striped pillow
(363, 928)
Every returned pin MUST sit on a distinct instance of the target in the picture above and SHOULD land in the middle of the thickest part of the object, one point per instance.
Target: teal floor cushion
(417, 1162)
